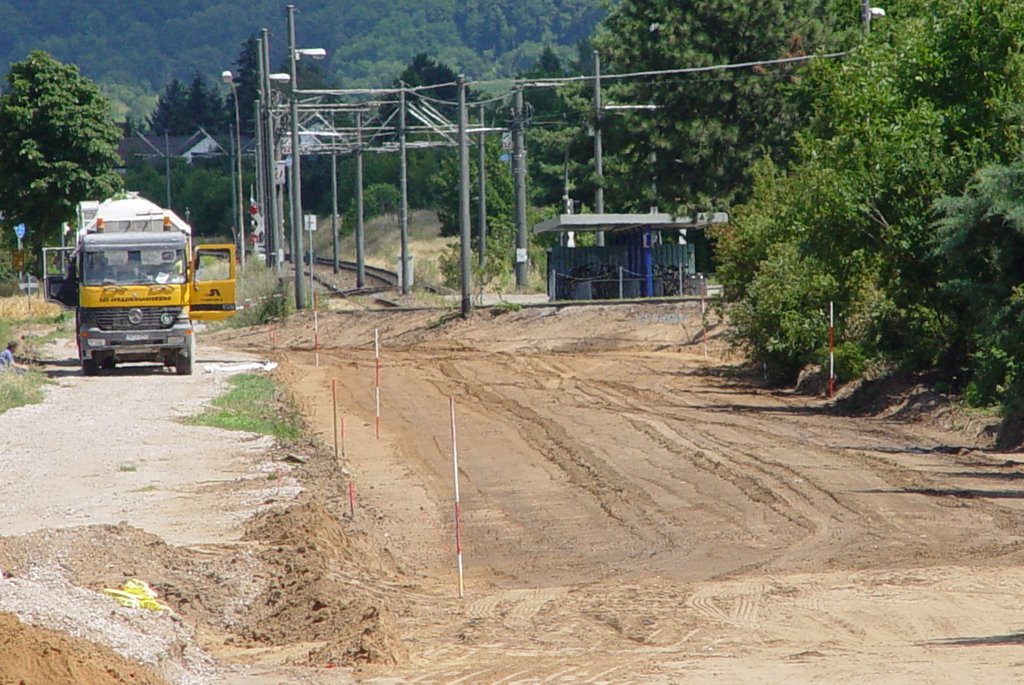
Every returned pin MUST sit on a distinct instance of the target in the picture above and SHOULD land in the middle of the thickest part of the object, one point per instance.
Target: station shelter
(644, 255)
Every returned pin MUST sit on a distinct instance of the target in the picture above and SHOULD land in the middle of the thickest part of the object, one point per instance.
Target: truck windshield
(133, 266)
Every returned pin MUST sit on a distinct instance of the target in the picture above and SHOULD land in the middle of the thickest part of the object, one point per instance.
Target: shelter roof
(627, 222)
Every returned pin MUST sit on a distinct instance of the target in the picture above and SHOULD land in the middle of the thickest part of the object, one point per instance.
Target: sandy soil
(632, 511)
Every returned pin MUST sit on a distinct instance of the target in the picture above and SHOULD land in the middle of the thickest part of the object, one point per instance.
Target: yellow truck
(137, 284)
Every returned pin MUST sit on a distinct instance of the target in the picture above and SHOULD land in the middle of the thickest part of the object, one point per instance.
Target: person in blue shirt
(7, 356)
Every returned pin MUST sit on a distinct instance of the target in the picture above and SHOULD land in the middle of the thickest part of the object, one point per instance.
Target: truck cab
(137, 285)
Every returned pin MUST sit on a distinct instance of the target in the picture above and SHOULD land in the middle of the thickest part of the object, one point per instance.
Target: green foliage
(698, 153)
(901, 122)
(781, 320)
(58, 146)
(504, 307)
(265, 297)
(18, 389)
(201, 191)
(146, 44)
(379, 199)
(253, 404)
(980, 246)
(181, 110)
(499, 194)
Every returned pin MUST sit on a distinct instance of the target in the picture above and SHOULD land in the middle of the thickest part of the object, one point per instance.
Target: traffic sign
(19, 231)
(18, 260)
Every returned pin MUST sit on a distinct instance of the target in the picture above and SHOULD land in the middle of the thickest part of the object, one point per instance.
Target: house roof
(156, 146)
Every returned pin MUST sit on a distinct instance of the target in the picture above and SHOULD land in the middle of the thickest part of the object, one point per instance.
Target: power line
(555, 82)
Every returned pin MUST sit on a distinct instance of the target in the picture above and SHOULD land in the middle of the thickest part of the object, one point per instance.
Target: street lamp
(227, 77)
(294, 55)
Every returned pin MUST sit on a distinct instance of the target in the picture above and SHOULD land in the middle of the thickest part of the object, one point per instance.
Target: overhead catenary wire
(555, 82)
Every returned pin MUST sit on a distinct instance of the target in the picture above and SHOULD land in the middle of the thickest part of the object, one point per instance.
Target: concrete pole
(865, 16)
(464, 277)
(167, 167)
(481, 173)
(259, 165)
(403, 206)
(300, 290)
(272, 216)
(238, 174)
(234, 197)
(360, 232)
(598, 150)
(519, 170)
(334, 209)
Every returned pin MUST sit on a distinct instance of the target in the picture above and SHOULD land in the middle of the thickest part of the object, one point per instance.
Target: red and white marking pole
(316, 330)
(351, 500)
(831, 351)
(343, 436)
(334, 402)
(376, 382)
(458, 511)
(704, 322)
(273, 339)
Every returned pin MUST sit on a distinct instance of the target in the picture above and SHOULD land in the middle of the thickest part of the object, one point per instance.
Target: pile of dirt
(29, 654)
(300, 578)
(322, 589)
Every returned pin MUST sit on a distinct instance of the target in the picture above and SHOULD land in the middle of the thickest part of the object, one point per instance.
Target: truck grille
(119, 318)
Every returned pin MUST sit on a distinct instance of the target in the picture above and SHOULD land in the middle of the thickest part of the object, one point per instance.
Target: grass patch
(145, 488)
(17, 389)
(263, 296)
(253, 404)
(504, 307)
(30, 309)
(127, 468)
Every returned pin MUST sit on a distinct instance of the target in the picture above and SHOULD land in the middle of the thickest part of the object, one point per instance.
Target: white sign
(279, 173)
(521, 255)
(310, 221)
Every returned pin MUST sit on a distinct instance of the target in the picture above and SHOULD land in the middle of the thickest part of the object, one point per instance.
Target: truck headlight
(97, 342)
(175, 340)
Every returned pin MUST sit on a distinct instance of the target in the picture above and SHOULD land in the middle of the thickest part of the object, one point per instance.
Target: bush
(263, 296)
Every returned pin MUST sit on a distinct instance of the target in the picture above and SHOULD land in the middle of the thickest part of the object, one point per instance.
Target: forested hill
(144, 44)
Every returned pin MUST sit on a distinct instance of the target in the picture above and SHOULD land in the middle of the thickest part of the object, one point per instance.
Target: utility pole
(334, 209)
(234, 197)
(300, 291)
(261, 167)
(598, 151)
(167, 167)
(481, 173)
(272, 211)
(519, 171)
(403, 206)
(464, 277)
(865, 16)
(360, 236)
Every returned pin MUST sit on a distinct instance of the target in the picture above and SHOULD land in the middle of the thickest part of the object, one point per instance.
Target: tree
(181, 109)
(58, 146)
(907, 119)
(205, 106)
(697, 146)
(426, 71)
(246, 84)
(980, 250)
(171, 115)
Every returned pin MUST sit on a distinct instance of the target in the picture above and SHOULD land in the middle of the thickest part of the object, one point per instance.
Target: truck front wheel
(185, 362)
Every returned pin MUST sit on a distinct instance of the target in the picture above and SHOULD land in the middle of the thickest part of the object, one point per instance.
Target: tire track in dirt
(587, 471)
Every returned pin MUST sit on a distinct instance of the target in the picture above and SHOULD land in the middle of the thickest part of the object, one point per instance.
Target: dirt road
(632, 511)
